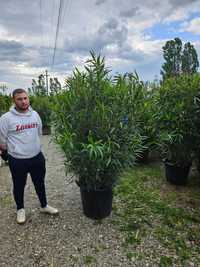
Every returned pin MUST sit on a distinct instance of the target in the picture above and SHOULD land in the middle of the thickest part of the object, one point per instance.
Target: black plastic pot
(198, 165)
(97, 204)
(46, 130)
(177, 175)
(143, 158)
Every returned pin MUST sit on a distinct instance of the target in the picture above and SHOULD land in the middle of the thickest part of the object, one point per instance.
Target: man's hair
(18, 91)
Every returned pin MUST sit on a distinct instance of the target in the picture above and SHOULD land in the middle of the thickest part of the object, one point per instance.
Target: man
(20, 131)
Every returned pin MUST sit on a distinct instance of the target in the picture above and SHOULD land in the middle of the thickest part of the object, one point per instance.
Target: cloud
(180, 3)
(110, 25)
(178, 10)
(100, 2)
(129, 12)
(13, 16)
(117, 31)
(112, 32)
(109, 33)
(192, 26)
(12, 51)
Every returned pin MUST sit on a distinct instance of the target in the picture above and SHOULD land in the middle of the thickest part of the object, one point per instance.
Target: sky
(129, 34)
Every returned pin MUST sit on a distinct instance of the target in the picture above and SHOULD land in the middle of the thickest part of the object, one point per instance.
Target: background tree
(179, 60)
(3, 89)
(55, 86)
(190, 61)
(172, 56)
(39, 86)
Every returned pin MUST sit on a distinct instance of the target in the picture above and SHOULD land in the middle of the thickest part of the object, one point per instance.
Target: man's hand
(4, 155)
(3, 147)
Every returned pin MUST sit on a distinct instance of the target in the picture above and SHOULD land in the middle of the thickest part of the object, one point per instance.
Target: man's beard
(22, 108)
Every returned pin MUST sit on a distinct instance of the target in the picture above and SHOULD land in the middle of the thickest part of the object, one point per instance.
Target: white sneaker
(21, 216)
(50, 210)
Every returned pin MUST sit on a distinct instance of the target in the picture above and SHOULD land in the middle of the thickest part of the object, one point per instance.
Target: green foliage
(195, 117)
(43, 106)
(95, 125)
(174, 118)
(5, 103)
(179, 59)
(140, 103)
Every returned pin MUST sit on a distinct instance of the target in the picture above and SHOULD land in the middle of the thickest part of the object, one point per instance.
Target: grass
(5, 201)
(88, 259)
(147, 207)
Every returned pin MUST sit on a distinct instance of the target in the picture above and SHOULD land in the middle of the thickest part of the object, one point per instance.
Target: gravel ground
(70, 239)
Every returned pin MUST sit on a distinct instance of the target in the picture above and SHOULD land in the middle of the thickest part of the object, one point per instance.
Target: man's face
(21, 101)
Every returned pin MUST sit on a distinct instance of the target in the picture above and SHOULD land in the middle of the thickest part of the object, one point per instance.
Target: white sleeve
(39, 124)
(3, 130)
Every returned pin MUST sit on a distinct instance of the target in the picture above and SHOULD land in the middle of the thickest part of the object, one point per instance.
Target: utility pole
(47, 84)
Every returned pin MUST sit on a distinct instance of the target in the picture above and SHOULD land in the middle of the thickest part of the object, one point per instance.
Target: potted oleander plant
(5, 103)
(195, 119)
(42, 105)
(145, 117)
(142, 101)
(174, 122)
(95, 126)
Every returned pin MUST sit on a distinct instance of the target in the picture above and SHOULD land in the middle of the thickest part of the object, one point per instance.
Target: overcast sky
(130, 34)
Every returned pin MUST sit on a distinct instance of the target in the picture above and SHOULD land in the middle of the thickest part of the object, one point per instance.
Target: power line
(41, 24)
(52, 30)
(57, 31)
(66, 7)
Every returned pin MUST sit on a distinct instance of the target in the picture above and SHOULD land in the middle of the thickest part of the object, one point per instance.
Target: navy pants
(19, 170)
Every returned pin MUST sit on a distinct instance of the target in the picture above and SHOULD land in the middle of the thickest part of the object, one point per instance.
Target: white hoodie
(20, 132)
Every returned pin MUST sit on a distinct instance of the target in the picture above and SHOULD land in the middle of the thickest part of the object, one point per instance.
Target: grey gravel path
(70, 239)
